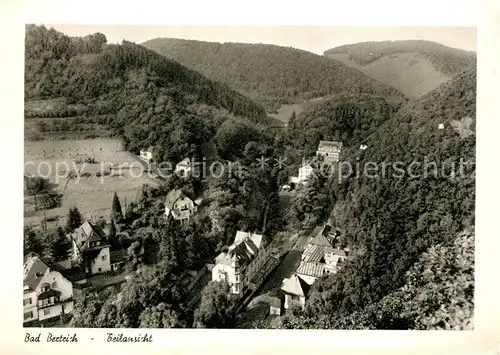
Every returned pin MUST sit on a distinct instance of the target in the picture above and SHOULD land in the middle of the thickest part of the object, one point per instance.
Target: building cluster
(327, 151)
(322, 256)
(49, 289)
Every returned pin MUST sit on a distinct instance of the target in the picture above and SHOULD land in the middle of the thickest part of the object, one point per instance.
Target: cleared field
(119, 171)
(411, 73)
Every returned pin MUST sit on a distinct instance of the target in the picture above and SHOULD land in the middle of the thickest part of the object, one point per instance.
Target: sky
(309, 38)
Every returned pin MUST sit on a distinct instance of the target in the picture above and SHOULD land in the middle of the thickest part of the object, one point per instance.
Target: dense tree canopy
(271, 74)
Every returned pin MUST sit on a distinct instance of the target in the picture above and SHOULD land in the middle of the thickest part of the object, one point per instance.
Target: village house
(90, 248)
(180, 205)
(329, 150)
(306, 171)
(184, 168)
(245, 264)
(321, 257)
(47, 293)
(296, 291)
(146, 154)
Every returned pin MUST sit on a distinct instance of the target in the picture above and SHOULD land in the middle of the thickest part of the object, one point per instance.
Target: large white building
(46, 293)
(245, 263)
(329, 150)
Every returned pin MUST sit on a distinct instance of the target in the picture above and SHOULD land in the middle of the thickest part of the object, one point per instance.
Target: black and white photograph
(249, 177)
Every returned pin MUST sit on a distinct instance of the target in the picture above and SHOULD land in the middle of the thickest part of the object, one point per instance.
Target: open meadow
(86, 173)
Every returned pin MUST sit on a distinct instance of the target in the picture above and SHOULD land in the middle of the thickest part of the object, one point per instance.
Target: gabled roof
(313, 253)
(310, 269)
(245, 246)
(173, 196)
(295, 286)
(88, 233)
(35, 269)
(329, 145)
(257, 239)
(321, 240)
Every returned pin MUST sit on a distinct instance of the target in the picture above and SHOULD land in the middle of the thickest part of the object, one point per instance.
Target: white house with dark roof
(90, 247)
(329, 150)
(47, 293)
(179, 205)
(245, 263)
(296, 291)
(146, 154)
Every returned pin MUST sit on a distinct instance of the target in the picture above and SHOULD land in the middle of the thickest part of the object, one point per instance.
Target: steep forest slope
(410, 190)
(271, 74)
(139, 94)
(349, 118)
(413, 67)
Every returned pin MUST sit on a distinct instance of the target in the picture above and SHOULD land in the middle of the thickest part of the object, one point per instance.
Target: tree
(113, 240)
(161, 316)
(217, 307)
(116, 209)
(60, 246)
(75, 219)
(32, 242)
(37, 186)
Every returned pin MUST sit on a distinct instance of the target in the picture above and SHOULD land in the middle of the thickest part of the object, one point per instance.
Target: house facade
(246, 260)
(47, 293)
(295, 290)
(90, 248)
(306, 171)
(179, 205)
(146, 154)
(329, 150)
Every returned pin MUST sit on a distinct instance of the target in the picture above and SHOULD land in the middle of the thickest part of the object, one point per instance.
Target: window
(103, 257)
(54, 284)
(295, 298)
(45, 288)
(99, 269)
(46, 311)
(26, 301)
(28, 315)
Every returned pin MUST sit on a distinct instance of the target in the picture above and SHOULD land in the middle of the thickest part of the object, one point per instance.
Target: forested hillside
(424, 196)
(349, 118)
(141, 95)
(414, 67)
(271, 74)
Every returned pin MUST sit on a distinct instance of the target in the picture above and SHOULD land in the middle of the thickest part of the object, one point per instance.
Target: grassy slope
(412, 67)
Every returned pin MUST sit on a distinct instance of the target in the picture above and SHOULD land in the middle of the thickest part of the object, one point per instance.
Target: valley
(291, 201)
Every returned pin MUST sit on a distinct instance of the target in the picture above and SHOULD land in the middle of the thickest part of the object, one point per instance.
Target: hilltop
(272, 75)
(135, 92)
(414, 67)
